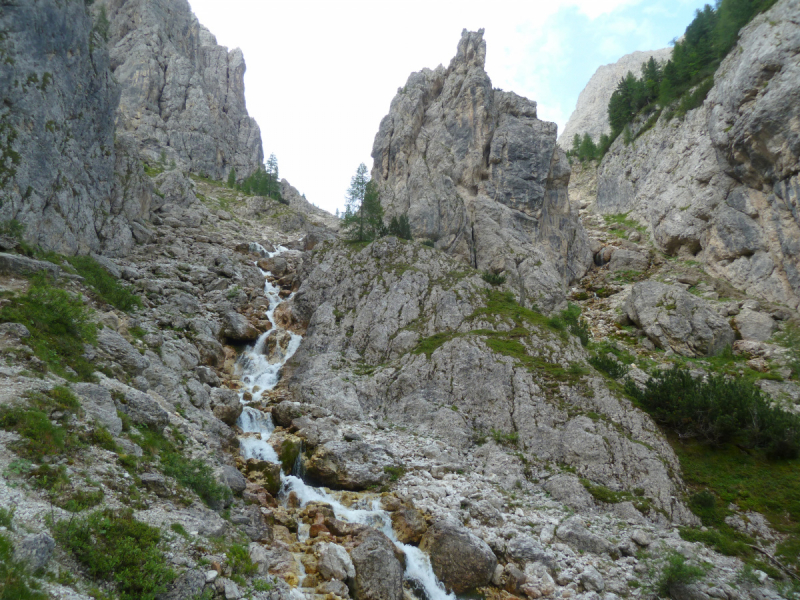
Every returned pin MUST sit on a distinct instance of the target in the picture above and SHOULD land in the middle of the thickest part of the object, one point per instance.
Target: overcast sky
(321, 74)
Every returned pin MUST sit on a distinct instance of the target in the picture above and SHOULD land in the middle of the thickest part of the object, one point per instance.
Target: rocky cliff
(63, 174)
(181, 93)
(591, 112)
(721, 185)
(480, 175)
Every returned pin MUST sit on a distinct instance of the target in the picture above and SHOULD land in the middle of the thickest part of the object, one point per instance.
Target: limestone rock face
(722, 184)
(181, 93)
(591, 112)
(673, 318)
(480, 175)
(58, 154)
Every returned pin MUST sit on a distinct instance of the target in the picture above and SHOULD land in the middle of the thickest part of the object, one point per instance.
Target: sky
(322, 74)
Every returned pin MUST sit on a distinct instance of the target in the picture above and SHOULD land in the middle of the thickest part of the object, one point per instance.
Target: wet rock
(460, 559)
(574, 532)
(409, 525)
(98, 403)
(266, 474)
(349, 465)
(673, 318)
(334, 562)
(378, 573)
(35, 551)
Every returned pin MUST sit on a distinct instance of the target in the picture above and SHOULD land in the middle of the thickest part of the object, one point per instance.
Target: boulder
(231, 477)
(225, 405)
(628, 260)
(349, 465)
(98, 403)
(591, 580)
(574, 532)
(378, 572)
(189, 585)
(257, 527)
(673, 318)
(154, 482)
(142, 409)
(15, 264)
(334, 562)
(460, 559)
(755, 326)
(114, 347)
(409, 525)
(237, 328)
(35, 551)
(284, 413)
(524, 549)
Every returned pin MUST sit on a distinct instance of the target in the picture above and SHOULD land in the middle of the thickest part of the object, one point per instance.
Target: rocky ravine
(720, 185)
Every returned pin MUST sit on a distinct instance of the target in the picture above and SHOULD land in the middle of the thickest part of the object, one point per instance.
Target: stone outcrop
(480, 175)
(58, 155)
(721, 185)
(591, 112)
(461, 560)
(181, 93)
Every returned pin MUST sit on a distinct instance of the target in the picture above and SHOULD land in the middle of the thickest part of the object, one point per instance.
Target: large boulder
(225, 405)
(113, 346)
(335, 563)
(378, 572)
(460, 559)
(409, 525)
(35, 551)
(142, 408)
(98, 403)
(673, 318)
(349, 465)
(480, 175)
(237, 328)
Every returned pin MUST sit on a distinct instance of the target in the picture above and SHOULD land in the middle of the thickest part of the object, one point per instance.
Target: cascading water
(257, 374)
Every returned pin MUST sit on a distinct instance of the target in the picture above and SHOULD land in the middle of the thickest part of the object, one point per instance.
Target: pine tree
(232, 178)
(400, 227)
(353, 224)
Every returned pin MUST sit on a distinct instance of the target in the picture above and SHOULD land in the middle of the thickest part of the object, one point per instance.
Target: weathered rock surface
(35, 551)
(349, 465)
(461, 560)
(181, 93)
(335, 562)
(673, 318)
(58, 154)
(591, 112)
(97, 401)
(479, 175)
(378, 573)
(721, 184)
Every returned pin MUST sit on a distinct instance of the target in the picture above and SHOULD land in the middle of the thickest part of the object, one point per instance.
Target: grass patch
(104, 284)
(196, 475)
(239, 561)
(429, 345)
(609, 496)
(59, 326)
(394, 473)
(115, 547)
(505, 439)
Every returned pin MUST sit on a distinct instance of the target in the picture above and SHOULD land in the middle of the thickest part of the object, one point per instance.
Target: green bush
(196, 475)
(240, 562)
(15, 582)
(394, 473)
(400, 227)
(6, 517)
(719, 411)
(677, 572)
(604, 363)
(506, 439)
(493, 278)
(105, 284)
(59, 326)
(577, 326)
(115, 547)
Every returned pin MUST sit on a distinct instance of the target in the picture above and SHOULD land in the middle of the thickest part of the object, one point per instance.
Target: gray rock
(628, 260)
(161, 56)
(335, 587)
(349, 465)
(237, 328)
(460, 559)
(569, 490)
(228, 588)
(574, 532)
(156, 483)
(200, 397)
(755, 326)
(256, 526)
(641, 538)
(60, 178)
(142, 409)
(99, 404)
(378, 573)
(15, 264)
(115, 347)
(409, 525)
(673, 318)
(524, 549)
(35, 551)
(17, 330)
(335, 563)
(189, 585)
(489, 190)
(225, 405)
(285, 412)
(592, 580)
(231, 477)
(207, 376)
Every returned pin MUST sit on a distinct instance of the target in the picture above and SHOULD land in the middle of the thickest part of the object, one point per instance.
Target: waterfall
(257, 374)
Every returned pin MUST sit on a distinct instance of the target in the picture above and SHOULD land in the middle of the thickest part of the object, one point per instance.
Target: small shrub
(577, 326)
(677, 572)
(507, 439)
(6, 517)
(400, 227)
(611, 367)
(105, 284)
(719, 411)
(196, 475)
(394, 473)
(15, 582)
(262, 585)
(493, 278)
(239, 561)
(428, 243)
(115, 547)
(102, 437)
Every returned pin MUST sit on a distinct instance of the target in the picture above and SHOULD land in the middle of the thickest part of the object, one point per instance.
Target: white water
(258, 374)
